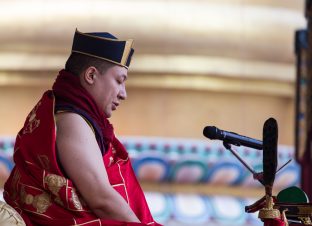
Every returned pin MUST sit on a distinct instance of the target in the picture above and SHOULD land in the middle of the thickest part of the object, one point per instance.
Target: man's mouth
(115, 105)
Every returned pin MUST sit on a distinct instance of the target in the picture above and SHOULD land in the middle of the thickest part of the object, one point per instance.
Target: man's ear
(89, 75)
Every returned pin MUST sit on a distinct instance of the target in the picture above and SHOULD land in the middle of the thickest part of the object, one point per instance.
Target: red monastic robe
(40, 192)
(274, 222)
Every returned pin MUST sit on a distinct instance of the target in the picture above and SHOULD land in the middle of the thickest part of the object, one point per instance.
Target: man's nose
(123, 93)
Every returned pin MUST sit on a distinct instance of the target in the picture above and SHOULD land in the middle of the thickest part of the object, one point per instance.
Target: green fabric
(292, 195)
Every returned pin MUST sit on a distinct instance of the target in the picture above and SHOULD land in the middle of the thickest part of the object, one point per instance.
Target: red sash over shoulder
(40, 192)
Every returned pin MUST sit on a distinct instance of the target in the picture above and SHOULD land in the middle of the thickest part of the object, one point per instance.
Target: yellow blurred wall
(170, 112)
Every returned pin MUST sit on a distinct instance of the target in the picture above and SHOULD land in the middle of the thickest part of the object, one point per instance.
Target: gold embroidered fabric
(75, 200)
(9, 216)
(55, 183)
(33, 123)
(40, 202)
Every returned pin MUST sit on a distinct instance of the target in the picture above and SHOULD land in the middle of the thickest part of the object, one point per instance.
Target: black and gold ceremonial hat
(104, 46)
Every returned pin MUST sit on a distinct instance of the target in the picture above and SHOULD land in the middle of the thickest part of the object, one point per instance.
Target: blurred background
(227, 63)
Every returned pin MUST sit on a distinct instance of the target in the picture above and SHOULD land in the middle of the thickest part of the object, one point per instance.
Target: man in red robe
(70, 169)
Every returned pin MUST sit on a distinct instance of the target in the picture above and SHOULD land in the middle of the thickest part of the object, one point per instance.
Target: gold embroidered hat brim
(104, 46)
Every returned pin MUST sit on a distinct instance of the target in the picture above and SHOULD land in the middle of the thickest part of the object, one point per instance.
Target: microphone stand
(256, 176)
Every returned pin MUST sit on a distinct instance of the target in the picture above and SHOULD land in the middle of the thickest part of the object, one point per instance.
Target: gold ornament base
(268, 212)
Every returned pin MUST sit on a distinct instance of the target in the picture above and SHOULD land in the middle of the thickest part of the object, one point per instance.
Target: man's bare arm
(82, 161)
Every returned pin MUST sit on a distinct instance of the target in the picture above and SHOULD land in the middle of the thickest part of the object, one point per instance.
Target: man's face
(109, 89)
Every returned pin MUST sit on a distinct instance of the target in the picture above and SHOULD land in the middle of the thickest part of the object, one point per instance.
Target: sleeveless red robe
(40, 192)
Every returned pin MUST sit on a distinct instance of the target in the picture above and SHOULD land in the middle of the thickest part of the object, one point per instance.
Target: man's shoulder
(69, 118)
(73, 123)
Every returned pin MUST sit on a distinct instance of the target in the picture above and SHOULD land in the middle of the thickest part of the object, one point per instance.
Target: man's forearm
(114, 207)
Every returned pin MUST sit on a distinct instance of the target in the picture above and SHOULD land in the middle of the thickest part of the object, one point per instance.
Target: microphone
(270, 142)
(214, 133)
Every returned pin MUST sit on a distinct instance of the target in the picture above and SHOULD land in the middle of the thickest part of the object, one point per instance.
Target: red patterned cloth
(40, 192)
(274, 222)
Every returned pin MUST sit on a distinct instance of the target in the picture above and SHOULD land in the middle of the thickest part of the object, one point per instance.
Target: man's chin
(108, 114)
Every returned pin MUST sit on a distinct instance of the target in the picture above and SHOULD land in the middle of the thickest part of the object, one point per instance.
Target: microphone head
(270, 142)
(211, 132)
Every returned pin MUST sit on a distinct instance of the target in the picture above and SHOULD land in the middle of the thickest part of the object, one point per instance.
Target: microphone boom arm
(256, 176)
(254, 173)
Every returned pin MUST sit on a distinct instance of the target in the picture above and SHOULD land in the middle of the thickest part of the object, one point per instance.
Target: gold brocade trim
(75, 199)
(33, 123)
